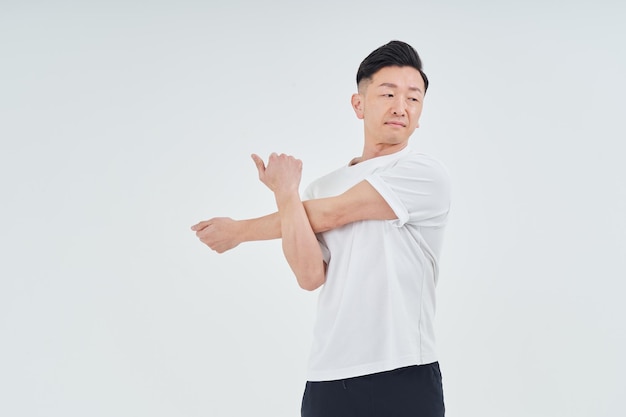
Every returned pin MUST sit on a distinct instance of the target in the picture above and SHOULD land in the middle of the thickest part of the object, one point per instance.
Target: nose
(398, 107)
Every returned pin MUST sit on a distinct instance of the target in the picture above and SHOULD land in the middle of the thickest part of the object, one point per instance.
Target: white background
(122, 123)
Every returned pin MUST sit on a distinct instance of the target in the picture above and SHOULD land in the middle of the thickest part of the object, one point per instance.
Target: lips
(395, 123)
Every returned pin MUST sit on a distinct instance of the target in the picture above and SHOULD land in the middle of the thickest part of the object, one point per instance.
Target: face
(390, 105)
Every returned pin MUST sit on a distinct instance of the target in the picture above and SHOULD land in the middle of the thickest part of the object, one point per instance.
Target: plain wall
(122, 123)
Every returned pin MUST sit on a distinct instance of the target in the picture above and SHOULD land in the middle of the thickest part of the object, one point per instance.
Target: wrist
(243, 230)
(286, 198)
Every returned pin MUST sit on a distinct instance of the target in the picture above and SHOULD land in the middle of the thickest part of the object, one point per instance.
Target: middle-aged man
(370, 235)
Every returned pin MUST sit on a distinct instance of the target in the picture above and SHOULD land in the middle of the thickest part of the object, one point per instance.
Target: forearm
(261, 228)
(300, 246)
(318, 212)
(223, 233)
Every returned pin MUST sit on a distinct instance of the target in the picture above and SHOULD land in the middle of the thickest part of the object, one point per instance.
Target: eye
(388, 95)
(414, 99)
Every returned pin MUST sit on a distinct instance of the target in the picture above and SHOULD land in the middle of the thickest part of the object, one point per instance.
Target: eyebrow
(392, 85)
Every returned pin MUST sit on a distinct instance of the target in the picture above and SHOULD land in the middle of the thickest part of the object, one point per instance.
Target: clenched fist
(282, 173)
(220, 233)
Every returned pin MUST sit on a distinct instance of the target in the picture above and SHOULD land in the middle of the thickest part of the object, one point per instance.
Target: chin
(395, 141)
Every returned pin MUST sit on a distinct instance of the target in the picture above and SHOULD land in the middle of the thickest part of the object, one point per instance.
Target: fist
(282, 173)
(220, 233)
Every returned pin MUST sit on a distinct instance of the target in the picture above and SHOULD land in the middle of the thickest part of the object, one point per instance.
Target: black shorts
(413, 391)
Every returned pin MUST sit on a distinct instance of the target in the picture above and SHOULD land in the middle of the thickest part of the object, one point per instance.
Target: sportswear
(376, 309)
(404, 392)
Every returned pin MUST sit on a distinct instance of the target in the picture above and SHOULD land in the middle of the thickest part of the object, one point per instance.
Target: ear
(357, 105)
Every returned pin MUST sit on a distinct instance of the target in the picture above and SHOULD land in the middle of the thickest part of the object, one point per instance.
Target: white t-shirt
(377, 307)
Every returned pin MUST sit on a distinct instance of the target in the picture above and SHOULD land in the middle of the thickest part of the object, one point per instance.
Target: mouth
(394, 123)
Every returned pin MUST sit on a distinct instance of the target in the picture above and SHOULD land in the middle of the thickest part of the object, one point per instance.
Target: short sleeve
(324, 248)
(417, 188)
(308, 193)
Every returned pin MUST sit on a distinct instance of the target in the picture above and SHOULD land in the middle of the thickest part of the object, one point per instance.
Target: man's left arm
(361, 202)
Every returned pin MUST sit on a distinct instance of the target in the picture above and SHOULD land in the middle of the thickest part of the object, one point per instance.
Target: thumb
(260, 165)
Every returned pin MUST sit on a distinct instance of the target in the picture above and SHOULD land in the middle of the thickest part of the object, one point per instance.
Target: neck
(381, 149)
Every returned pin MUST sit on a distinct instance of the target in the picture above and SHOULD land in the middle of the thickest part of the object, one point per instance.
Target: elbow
(311, 281)
(310, 286)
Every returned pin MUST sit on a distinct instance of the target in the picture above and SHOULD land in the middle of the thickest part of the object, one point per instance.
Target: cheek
(415, 117)
(377, 111)
(417, 112)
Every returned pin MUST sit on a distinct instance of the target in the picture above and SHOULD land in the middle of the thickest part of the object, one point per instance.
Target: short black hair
(392, 54)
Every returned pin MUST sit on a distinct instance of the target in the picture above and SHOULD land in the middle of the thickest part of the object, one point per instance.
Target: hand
(282, 173)
(220, 233)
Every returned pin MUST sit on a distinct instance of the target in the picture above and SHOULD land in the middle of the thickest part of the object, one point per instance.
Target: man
(370, 235)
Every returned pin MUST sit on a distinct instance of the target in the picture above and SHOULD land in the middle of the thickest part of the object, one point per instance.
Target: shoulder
(423, 158)
(328, 185)
(421, 164)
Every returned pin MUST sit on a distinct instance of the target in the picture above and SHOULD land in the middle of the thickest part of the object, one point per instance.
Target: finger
(199, 226)
(260, 166)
